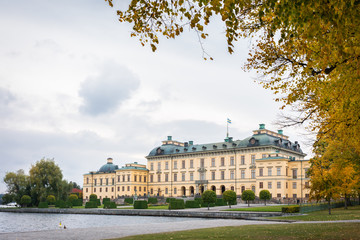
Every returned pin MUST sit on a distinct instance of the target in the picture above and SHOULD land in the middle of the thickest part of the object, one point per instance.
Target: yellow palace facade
(266, 160)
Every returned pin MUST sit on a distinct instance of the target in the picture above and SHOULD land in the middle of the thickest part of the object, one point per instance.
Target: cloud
(106, 91)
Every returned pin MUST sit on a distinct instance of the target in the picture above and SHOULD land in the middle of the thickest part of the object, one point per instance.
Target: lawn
(274, 231)
(276, 208)
(336, 214)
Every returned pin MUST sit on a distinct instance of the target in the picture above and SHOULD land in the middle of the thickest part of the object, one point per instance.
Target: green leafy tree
(17, 184)
(25, 200)
(248, 196)
(265, 195)
(46, 179)
(208, 197)
(51, 199)
(229, 196)
(8, 198)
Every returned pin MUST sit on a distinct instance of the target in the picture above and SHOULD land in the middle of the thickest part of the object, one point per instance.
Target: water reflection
(24, 222)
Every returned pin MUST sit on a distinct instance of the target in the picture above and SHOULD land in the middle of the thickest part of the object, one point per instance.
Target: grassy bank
(278, 231)
(259, 209)
(336, 214)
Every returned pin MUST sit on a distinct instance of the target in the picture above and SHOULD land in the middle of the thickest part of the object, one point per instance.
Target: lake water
(24, 222)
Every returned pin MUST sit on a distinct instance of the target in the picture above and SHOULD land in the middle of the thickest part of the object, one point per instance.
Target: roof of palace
(261, 137)
(108, 168)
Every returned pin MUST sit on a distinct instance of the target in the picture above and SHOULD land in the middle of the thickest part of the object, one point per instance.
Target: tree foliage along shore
(45, 180)
(307, 52)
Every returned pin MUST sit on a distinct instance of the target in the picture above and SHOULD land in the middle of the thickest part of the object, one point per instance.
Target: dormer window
(203, 147)
(214, 146)
(194, 148)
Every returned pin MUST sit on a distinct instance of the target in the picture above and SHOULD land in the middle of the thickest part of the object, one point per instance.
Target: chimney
(262, 126)
(191, 142)
(169, 138)
(280, 132)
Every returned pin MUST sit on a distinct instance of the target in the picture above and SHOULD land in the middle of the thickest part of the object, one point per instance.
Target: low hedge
(109, 205)
(198, 200)
(77, 202)
(169, 199)
(105, 200)
(140, 204)
(176, 204)
(220, 202)
(290, 209)
(152, 200)
(91, 204)
(129, 200)
(192, 204)
(43, 205)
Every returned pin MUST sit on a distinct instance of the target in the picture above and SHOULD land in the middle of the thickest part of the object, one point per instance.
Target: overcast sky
(74, 86)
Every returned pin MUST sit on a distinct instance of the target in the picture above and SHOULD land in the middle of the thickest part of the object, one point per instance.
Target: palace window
(95, 181)
(135, 189)
(306, 172)
(166, 165)
(232, 176)
(118, 178)
(112, 189)
(145, 179)
(232, 161)
(242, 160)
(212, 175)
(175, 177)
(202, 176)
(278, 185)
(159, 177)
(101, 181)
(166, 177)
(269, 171)
(159, 166)
(166, 190)
(106, 189)
(123, 178)
(191, 176)
(100, 189)
(135, 178)
(232, 188)
(107, 181)
(175, 191)
(278, 171)
(202, 162)
(183, 177)
(128, 188)
(242, 189)
(253, 188)
(242, 174)
(252, 159)
(94, 189)
(175, 164)
(152, 166)
(140, 178)
(191, 163)
(151, 178)
(144, 189)
(286, 185)
(279, 195)
(261, 185)
(222, 161)
(307, 184)
(294, 196)
(253, 174)
(87, 180)
(213, 162)
(261, 172)
(294, 173)
(113, 181)
(294, 185)
(269, 185)
(139, 189)
(86, 189)
(123, 188)
(151, 191)
(183, 164)
(287, 171)
(128, 177)
(222, 175)
(118, 189)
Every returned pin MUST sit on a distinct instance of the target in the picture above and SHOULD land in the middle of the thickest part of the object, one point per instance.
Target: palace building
(266, 160)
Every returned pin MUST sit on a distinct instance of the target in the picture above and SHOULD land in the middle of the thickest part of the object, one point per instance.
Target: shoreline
(142, 212)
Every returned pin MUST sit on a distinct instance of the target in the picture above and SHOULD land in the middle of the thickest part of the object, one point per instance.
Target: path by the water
(116, 232)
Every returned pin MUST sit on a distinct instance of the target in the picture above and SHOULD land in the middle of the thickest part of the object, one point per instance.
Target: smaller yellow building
(114, 182)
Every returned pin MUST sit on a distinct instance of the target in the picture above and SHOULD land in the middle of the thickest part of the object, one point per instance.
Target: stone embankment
(160, 213)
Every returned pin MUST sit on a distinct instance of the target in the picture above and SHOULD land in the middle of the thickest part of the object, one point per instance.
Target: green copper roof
(253, 141)
(132, 167)
(108, 168)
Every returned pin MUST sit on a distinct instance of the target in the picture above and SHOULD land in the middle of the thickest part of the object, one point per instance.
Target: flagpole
(227, 128)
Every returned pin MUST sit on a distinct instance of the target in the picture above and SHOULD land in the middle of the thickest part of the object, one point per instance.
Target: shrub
(73, 197)
(25, 200)
(192, 204)
(109, 205)
(152, 200)
(106, 200)
(91, 204)
(176, 204)
(51, 199)
(248, 196)
(129, 200)
(43, 205)
(220, 202)
(198, 200)
(208, 204)
(59, 202)
(265, 195)
(209, 197)
(140, 204)
(290, 209)
(169, 199)
(93, 197)
(63, 204)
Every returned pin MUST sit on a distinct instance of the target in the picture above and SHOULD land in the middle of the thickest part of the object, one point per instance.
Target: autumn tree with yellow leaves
(308, 53)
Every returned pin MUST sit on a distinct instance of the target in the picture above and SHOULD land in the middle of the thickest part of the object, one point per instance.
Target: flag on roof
(228, 120)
